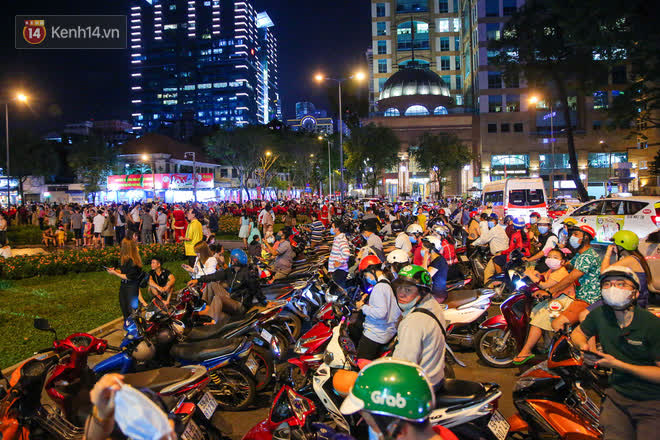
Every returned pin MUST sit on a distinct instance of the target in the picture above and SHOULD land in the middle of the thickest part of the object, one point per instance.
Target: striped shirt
(317, 229)
(339, 253)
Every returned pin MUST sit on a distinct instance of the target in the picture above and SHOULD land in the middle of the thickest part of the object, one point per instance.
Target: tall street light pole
(329, 169)
(22, 98)
(359, 76)
(194, 176)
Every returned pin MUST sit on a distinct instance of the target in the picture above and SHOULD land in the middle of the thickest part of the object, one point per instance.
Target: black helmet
(397, 226)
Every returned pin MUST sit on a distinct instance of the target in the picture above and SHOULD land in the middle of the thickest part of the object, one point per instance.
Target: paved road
(236, 424)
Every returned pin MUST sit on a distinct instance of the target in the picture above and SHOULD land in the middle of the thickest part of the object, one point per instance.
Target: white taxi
(639, 214)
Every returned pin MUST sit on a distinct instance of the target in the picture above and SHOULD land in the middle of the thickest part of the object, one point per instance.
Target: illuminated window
(404, 35)
(412, 6)
(440, 110)
(392, 112)
(416, 110)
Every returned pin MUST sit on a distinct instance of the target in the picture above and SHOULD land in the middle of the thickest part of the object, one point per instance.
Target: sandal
(523, 359)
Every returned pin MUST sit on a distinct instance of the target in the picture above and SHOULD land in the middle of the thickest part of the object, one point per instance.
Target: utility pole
(194, 175)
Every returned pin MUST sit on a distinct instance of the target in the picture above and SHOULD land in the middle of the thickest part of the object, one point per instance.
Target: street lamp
(533, 100)
(20, 97)
(329, 169)
(194, 176)
(145, 158)
(320, 78)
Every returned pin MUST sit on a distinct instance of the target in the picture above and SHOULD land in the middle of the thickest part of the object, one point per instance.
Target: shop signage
(162, 181)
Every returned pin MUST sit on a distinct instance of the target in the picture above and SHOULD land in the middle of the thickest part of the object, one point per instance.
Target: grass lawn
(75, 302)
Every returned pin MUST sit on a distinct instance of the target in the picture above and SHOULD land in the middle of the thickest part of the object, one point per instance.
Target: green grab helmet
(391, 388)
(626, 239)
(413, 274)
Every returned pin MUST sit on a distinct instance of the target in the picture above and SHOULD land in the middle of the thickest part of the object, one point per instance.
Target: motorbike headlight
(330, 297)
(148, 315)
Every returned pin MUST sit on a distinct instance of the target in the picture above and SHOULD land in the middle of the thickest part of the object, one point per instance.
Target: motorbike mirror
(43, 325)
(282, 432)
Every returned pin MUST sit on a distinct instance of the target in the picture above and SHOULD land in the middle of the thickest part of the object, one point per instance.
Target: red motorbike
(500, 337)
(63, 373)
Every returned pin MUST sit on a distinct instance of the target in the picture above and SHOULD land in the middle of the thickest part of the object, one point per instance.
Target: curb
(98, 331)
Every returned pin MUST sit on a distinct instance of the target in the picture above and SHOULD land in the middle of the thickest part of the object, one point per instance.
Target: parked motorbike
(555, 399)
(150, 342)
(500, 337)
(62, 372)
(466, 310)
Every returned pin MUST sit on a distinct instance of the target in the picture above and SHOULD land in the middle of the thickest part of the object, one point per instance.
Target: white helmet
(414, 229)
(435, 241)
(441, 230)
(398, 256)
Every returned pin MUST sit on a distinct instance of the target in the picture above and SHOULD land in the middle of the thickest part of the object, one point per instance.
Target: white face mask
(553, 263)
(139, 417)
(617, 298)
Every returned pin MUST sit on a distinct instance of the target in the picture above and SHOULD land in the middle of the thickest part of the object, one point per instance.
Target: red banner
(162, 181)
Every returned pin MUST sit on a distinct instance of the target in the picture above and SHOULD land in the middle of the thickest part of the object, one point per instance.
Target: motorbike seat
(204, 332)
(456, 392)
(457, 298)
(165, 378)
(203, 350)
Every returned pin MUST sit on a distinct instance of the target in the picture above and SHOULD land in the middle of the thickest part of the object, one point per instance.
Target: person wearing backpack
(421, 332)
(381, 313)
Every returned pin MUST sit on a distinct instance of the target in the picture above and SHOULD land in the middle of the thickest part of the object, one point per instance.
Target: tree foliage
(241, 148)
(92, 160)
(371, 150)
(559, 53)
(29, 155)
(440, 153)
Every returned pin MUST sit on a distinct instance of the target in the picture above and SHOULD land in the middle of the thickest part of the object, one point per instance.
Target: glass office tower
(210, 61)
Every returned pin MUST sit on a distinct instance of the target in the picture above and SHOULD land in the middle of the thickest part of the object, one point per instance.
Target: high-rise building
(304, 108)
(424, 33)
(510, 137)
(213, 59)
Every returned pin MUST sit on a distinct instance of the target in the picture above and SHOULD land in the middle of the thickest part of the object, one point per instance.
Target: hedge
(80, 260)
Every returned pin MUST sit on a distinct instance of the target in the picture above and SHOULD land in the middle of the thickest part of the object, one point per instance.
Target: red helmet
(441, 211)
(473, 213)
(584, 228)
(367, 261)
(535, 214)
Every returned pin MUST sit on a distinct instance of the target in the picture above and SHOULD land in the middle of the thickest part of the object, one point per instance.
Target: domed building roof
(414, 86)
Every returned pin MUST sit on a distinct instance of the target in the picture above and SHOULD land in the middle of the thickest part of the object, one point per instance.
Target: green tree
(440, 153)
(559, 53)
(654, 167)
(299, 156)
(92, 160)
(241, 148)
(29, 155)
(370, 151)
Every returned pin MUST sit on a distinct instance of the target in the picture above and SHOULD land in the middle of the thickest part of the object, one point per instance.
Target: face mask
(543, 229)
(270, 239)
(491, 225)
(533, 220)
(553, 263)
(138, 416)
(332, 231)
(407, 308)
(280, 237)
(617, 298)
(370, 279)
(413, 239)
(422, 253)
(574, 242)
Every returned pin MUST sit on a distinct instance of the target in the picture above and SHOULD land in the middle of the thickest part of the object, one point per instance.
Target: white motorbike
(466, 310)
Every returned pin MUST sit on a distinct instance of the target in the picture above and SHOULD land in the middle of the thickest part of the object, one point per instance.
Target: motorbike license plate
(498, 426)
(192, 432)
(464, 258)
(251, 364)
(207, 404)
(267, 336)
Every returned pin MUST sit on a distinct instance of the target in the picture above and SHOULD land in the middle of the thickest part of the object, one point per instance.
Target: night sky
(74, 85)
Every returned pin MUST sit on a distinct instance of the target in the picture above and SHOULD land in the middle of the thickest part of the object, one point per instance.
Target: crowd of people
(404, 284)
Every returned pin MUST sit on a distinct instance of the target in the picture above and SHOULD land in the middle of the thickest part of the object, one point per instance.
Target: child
(542, 315)
(48, 237)
(88, 235)
(61, 236)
